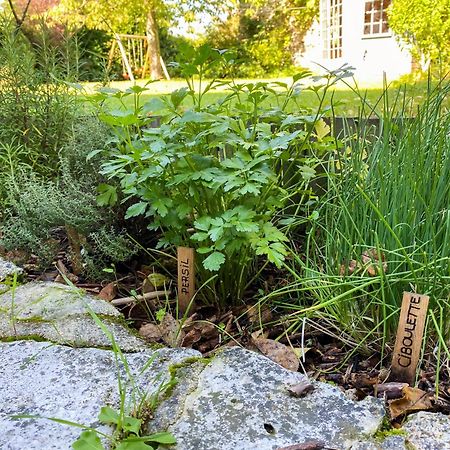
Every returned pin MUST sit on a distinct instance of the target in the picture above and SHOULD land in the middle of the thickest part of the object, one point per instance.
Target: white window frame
(376, 22)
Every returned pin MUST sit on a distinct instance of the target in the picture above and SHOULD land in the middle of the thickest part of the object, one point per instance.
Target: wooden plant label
(186, 277)
(409, 337)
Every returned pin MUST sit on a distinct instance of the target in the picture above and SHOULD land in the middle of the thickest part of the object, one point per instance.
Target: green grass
(346, 99)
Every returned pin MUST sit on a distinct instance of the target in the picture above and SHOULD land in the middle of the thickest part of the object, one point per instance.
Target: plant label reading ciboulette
(186, 277)
(409, 337)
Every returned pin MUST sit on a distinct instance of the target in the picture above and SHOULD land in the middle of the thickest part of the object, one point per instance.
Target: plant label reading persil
(409, 337)
(186, 277)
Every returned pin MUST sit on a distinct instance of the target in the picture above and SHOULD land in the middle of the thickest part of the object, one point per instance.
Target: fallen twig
(139, 298)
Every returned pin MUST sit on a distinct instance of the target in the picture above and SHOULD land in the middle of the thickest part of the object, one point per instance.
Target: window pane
(332, 29)
(375, 17)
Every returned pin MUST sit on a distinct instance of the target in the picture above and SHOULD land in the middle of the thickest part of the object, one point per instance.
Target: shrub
(37, 109)
(40, 209)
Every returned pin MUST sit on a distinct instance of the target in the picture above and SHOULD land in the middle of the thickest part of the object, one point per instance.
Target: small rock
(428, 431)
(8, 269)
(62, 314)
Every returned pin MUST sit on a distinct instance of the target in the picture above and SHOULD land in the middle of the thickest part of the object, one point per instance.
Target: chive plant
(383, 227)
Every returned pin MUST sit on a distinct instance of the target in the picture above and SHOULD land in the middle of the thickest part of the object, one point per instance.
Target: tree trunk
(156, 72)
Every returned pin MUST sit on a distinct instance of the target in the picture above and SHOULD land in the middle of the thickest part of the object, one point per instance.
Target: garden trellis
(134, 54)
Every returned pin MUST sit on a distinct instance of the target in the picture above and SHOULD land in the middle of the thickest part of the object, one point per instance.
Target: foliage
(172, 49)
(129, 428)
(424, 25)
(137, 17)
(135, 409)
(94, 46)
(264, 35)
(217, 177)
(38, 208)
(37, 109)
(130, 16)
(383, 228)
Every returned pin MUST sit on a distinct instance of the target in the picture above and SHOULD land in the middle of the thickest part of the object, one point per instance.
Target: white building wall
(371, 56)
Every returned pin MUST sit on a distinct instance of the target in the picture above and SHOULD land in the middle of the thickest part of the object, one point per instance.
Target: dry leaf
(278, 352)
(150, 332)
(348, 270)
(371, 261)
(109, 292)
(362, 380)
(171, 332)
(413, 399)
(260, 334)
(191, 338)
(301, 389)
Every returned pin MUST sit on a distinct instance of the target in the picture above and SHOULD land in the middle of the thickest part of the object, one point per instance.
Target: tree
(424, 25)
(19, 16)
(135, 16)
(265, 34)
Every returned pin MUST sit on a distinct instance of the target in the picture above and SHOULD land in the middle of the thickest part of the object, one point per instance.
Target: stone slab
(62, 314)
(240, 401)
(50, 380)
(428, 431)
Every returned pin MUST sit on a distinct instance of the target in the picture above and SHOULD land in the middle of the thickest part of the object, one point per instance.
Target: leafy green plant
(127, 421)
(129, 430)
(217, 177)
(13, 163)
(37, 109)
(383, 228)
(135, 405)
(39, 208)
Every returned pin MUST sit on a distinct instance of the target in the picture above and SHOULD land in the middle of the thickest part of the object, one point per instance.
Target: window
(375, 17)
(332, 28)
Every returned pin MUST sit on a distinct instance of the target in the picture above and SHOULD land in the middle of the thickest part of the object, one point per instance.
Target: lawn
(346, 98)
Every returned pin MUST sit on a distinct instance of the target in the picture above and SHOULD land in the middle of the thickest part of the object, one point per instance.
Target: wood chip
(310, 445)
(390, 390)
(139, 298)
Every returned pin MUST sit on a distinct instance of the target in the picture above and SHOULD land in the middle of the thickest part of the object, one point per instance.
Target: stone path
(55, 363)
